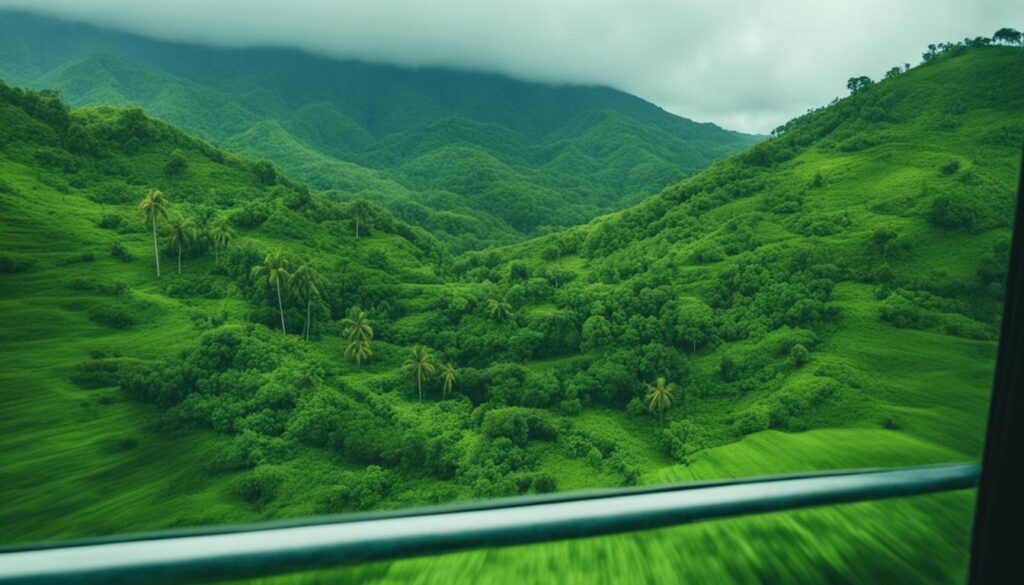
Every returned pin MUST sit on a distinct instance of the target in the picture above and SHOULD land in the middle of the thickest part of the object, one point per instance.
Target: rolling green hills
(827, 299)
(488, 158)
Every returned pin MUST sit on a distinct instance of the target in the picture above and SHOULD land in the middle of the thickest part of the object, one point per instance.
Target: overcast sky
(744, 64)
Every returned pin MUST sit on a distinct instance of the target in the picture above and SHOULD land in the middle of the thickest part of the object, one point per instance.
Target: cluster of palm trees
(184, 234)
(303, 284)
(420, 364)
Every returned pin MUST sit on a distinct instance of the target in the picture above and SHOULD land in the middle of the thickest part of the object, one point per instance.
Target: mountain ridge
(378, 117)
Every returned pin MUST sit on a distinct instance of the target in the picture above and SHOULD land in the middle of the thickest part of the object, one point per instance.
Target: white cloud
(744, 64)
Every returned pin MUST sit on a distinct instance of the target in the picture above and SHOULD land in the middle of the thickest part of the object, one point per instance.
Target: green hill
(872, 233)
(827, 299)
(343, 125)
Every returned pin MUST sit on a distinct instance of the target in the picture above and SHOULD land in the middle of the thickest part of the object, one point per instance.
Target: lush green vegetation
(476, 159)
(827, 299)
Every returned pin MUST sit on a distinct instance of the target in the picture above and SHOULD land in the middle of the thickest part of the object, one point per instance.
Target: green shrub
(890, 422)
(252, 215)
(707, 252)
(905, 313)
(264, 172)
(636, 408)
(194, 286)
(752, 420)
(112, 221)
(956, 211)
(855, 144)
(6, 187)
(681, 439)
(204, 320)
(507, 422)
(951, 167)
(820, 224)
(360, 491)
(114, 194)
(12, 263)
(570, 407)
(782, 202)
(260, 485)
(543, 483)
(113, 316)
(176, 164)
(97, 373)
(119, 251)
(799, 355)
(728, 371)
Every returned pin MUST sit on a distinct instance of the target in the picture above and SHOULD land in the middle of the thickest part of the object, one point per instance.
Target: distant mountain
(527, 155)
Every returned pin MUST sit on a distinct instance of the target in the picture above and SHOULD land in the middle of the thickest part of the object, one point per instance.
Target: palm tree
(500, 309)
(448, 374)
(152, 207)
(358, 350)
(419, 364)
(221, 236)
(304, 283)
(360, 333)
(359, 328)
(273, 271)
(359, 209)
(183, 234)
(659, 397)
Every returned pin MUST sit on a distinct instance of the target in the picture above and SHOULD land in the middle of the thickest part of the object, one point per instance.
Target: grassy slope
(72, 440)
(107, 461)
(59, 436)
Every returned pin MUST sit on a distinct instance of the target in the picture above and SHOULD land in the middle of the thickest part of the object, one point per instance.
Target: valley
(828, 298)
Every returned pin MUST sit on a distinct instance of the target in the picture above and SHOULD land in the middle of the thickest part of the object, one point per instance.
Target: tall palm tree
(499, 309)
(304, 282)
(359, 328)
(221, 236)
(419, 363)
(449, 374)
(183, 235)
(358, 350)
(152, 207)
(359, 209)
(274, 271)
(659, 397)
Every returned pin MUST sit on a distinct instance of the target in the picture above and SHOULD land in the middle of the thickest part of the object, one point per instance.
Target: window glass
(250, 284)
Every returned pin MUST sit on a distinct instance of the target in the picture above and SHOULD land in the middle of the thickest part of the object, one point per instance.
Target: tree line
(1005, 36)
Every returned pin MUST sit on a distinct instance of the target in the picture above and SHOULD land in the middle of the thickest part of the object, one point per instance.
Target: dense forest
(195, 332)
(477, 159)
